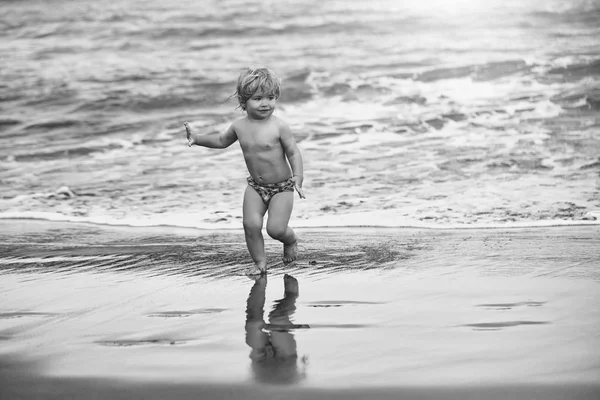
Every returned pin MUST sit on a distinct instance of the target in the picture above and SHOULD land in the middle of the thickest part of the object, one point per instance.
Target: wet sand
(116, 312)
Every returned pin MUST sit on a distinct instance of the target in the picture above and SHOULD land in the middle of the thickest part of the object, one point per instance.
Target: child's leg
(253, 213)
(280, 210)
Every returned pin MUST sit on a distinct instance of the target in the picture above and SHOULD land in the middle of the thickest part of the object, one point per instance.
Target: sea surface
(426, 114)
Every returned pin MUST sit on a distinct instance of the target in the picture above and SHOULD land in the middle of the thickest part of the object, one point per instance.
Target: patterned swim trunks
(266, 191)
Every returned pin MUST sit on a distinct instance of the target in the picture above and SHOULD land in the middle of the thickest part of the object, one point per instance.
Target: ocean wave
(57, 154)
(577, 71)
(51, 52)
(480, 72)
(127, 101)
(55, 124)
(8, 122)
(216, 29)
(55, 93)
(469, 128)
(575, 11)
(584, 96)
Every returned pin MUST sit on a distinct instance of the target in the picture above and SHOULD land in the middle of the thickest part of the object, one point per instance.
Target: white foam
(375, 219)
(390, 220)
(181, 222)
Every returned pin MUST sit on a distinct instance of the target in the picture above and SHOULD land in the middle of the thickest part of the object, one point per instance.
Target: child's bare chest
(259, 140)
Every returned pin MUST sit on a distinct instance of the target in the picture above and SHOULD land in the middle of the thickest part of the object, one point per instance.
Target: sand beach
(119, 312)
(449, 239)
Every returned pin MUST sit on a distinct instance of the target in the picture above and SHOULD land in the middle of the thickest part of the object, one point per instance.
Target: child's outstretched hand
(190, 138)
(298, 185)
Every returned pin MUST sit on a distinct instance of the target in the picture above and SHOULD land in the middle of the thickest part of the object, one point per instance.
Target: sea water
(431, 113)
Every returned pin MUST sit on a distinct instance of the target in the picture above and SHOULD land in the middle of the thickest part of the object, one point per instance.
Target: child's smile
(261, 105)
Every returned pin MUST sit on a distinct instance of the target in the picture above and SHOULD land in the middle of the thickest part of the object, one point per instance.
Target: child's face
(261, 105)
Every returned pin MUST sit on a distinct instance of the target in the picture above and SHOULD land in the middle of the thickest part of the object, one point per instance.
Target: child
(268, 145)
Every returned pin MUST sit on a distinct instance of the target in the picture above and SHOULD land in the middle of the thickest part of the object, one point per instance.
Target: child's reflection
(274, 354)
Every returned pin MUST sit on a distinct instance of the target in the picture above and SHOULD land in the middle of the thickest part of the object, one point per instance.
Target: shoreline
(189, 229)
(323, 250)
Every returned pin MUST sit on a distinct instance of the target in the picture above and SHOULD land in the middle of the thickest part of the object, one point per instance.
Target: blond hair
(253, 79)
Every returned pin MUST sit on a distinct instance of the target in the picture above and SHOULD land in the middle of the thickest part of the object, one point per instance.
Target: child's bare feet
(257, 269)
(188, 131)
(258, 279)
(289, 252)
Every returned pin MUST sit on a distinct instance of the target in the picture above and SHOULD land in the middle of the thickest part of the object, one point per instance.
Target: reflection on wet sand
(483, 314)
(274, 351)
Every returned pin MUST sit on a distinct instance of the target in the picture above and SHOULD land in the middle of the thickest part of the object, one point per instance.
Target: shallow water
(412, 114)
(372, 329)
(376, 308)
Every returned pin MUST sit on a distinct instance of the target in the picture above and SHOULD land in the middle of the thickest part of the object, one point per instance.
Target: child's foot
(259, 279)
(188, 131)
(289, 252)
(257, 269)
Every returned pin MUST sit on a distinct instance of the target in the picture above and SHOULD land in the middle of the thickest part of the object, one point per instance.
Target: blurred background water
(421, 113)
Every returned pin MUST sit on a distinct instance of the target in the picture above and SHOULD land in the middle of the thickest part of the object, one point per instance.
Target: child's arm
(212, 140)
(294, 157)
